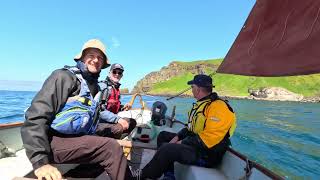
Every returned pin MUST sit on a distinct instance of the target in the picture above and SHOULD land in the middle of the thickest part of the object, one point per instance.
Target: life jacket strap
(85, 101)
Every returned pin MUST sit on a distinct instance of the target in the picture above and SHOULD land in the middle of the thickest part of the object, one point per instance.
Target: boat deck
(11, 167)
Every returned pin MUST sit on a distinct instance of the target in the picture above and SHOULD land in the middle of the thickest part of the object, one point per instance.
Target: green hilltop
(236, 85)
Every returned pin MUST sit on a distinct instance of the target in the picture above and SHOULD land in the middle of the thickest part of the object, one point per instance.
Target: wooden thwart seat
(188, 172)
(230, 168)
(67, 169)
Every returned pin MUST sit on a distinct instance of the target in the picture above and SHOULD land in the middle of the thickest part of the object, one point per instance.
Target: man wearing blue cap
(203, 142)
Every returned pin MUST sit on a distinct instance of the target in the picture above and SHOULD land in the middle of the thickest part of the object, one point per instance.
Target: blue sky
(38, 37)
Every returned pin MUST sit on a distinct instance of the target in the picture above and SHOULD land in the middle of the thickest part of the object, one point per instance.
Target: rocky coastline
(165, 73)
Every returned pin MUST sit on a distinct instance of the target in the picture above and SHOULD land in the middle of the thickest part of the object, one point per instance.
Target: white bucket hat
(97, 44)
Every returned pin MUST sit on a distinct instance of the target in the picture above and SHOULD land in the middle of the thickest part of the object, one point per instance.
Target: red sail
(279, 38)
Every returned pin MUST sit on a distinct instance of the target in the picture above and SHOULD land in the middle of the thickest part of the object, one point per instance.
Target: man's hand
(124, 123)
(48, 172)
(174, 139)
(126, 107)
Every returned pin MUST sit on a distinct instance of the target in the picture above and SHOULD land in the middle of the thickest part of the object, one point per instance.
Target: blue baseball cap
(201, 80)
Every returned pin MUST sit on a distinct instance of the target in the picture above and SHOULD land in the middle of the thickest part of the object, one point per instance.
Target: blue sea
(282, 136)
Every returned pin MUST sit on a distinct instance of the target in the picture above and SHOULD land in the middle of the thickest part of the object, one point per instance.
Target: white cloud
(115, 42)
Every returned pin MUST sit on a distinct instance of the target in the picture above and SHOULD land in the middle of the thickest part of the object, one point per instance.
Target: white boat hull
(10, 136)
(234, 165)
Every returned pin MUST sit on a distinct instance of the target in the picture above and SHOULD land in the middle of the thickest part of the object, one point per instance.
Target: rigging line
(314, 22)
(253, 42)
(187, 89)
(284, 29)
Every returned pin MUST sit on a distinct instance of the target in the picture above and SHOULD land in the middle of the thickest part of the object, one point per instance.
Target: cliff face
(172, 79)
(173, 69)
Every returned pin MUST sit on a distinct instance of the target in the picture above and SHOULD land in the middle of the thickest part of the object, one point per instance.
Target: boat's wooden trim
(130, 144)
(10, 125)
(142, 103)
(145, 108)
(265, 170)
(64, 168)
(253, 164)
(241, 156)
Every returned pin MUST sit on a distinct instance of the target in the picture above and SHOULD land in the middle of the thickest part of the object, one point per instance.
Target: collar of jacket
(90, 77)
(111, 83)
(213, 96)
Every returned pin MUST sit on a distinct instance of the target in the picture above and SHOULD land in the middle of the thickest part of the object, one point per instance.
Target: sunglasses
(117, 72)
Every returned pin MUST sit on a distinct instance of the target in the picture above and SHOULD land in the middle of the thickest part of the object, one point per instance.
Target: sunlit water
(282, 136)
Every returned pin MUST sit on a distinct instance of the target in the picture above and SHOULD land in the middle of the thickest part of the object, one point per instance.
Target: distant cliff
(173, 78)
(174, 69)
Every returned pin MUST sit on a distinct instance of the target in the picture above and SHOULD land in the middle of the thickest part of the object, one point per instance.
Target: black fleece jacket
(53, 95)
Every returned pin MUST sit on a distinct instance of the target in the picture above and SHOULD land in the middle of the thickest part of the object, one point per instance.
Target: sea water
(282, 136)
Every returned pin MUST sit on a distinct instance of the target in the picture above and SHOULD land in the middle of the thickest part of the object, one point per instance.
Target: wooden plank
(64, 168)
(23, 178)
(10, 125)
(134, 144)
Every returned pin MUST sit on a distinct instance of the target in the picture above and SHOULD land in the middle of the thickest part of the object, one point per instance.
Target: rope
(181, 92)
(247, 170)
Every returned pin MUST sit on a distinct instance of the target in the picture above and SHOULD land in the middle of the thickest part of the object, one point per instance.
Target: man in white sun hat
(60, 123)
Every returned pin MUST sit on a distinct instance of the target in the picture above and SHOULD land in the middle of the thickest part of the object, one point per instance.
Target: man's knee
(160, 138)
(168, 149)
(162, 134)
(132, 124)
(163, 137)
(110, 143)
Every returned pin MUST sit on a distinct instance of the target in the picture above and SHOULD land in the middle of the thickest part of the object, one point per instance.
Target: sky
(38, 36)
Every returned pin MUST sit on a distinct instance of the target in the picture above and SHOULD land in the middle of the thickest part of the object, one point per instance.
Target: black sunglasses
(117, 72)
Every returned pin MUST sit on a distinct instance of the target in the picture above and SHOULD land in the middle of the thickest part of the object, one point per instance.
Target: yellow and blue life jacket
(77, 115)
(212, 119)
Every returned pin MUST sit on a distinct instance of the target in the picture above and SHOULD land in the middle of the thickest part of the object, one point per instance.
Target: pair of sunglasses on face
(117, 72)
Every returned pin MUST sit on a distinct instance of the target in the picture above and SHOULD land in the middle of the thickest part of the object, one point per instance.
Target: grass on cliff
(194, 63)
(236, 85)
(173, 85)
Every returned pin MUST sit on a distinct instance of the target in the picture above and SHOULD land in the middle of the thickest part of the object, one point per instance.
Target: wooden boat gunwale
(10, 125)
(252, 164)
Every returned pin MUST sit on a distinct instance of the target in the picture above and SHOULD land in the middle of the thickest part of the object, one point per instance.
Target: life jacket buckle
(85, 101)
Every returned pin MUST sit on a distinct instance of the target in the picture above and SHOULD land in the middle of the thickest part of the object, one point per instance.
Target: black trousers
(167, 154)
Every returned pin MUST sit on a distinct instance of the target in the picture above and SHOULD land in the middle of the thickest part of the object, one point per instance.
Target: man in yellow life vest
(203, 142)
